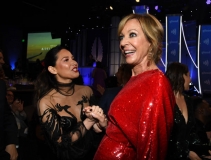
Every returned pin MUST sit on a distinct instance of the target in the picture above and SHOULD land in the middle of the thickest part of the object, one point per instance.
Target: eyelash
(132, 34)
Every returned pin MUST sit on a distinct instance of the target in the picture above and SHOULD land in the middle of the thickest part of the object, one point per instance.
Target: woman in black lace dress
(184, 142)
(69, 119)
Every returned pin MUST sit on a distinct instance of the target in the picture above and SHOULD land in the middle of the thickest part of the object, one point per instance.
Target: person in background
(69, 119)
(184, 142)
(99, 77)
(2, 74)
(91, 61)
(203, 120)
(123, 75)
(16, 105)
(8, 128)
(141, 115)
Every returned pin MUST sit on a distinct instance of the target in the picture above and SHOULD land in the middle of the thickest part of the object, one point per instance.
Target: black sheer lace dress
(59, 131)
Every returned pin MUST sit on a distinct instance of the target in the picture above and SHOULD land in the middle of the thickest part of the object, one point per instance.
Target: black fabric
(63, 127)
(184, 136)
(107, 98)
(4, 155)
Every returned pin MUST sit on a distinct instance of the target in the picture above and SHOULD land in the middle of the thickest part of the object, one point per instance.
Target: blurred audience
(203, 119)
(91, 61)
(99, 76)
(8, 128)
(16, 105)
(2, 74)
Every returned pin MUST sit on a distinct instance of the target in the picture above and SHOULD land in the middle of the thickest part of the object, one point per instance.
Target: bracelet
(100, 127)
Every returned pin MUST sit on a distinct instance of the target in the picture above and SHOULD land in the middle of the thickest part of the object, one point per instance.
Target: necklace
(66, 89)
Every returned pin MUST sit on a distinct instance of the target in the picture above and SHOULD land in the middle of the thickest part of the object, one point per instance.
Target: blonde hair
(153, 31)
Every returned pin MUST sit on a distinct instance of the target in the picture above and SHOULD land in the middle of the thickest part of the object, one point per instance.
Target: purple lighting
(157, 9)
(208, 2)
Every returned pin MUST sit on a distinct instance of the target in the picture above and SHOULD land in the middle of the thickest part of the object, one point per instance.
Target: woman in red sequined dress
(141, 115)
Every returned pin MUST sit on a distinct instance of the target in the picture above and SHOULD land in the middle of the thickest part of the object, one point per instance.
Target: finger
(95, 108)
(87, 109)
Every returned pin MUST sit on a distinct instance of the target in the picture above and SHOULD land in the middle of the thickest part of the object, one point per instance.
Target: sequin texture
(141, 118)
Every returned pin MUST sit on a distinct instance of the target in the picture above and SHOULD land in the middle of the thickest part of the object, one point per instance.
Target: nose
(123, 43)
(75, 63)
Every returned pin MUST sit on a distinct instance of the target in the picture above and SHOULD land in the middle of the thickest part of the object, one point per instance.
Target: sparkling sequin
(145, 106)
(183, 134)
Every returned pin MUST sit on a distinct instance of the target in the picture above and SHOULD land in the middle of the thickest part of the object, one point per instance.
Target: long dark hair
(47, 81)
(174, 73)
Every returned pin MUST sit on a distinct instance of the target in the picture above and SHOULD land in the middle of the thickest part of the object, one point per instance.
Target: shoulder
(156, 77)
(43, 104)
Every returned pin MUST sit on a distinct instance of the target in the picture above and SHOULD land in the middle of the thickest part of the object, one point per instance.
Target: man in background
(8, 126)
(2, 75)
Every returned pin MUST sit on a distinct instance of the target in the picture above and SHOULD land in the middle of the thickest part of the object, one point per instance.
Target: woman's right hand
(92, 111)
(89, 111)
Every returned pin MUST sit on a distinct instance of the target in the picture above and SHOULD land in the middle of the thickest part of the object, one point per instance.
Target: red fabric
(141, 119)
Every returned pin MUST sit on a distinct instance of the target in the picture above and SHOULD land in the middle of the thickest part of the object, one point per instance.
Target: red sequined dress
(141, 119)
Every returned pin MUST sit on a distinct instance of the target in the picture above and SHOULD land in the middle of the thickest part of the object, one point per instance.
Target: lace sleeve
(67, 137)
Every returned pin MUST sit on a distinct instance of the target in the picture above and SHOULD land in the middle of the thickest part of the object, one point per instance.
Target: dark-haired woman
(67, 112)
(184, 142)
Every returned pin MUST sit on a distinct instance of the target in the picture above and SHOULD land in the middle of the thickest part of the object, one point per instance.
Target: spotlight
(208, 2)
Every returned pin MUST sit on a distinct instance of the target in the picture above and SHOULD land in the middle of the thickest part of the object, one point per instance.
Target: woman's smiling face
(133, 42)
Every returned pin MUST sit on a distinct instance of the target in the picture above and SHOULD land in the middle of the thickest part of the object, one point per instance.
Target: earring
(150, 54)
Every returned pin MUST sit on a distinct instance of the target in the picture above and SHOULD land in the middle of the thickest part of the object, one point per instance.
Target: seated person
(203, 119)
(16, 105)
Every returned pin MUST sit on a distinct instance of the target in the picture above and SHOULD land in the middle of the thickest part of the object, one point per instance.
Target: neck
(66, 89)
(138, 69)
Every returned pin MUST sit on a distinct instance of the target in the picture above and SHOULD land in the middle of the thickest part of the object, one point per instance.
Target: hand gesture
(96, 113)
